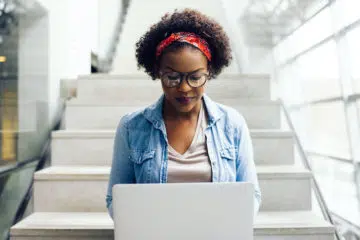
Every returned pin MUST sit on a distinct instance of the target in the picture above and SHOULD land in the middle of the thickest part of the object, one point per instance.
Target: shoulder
(224, 114)
(132, 120)
(232, 117)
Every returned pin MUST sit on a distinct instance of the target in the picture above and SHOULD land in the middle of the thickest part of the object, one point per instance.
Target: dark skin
(181, 119)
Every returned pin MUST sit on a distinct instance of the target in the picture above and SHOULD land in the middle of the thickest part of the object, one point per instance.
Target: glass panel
(325, 129)
(24, 103)
(320, 63)
(353, 39)
(357, 85)
(345, 12)
(317, 69)
(13, 188)
(290, 84)
(286, 16)
(314, 7)
(336, 183)
(306, 36)
(304, 79)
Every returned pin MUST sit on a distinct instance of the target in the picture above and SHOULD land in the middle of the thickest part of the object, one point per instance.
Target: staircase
(69, 196)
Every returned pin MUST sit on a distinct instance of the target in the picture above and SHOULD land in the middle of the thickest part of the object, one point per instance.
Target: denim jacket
(141, 148)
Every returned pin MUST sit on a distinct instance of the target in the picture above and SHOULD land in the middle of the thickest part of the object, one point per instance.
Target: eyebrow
(185, 72)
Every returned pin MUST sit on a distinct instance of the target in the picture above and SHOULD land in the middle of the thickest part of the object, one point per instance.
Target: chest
(181, 135)
(150, 153)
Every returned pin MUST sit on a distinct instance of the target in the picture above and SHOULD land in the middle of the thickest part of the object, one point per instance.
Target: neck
(171, 113)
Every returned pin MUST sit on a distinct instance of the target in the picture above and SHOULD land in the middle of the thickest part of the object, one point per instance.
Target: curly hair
(187, 20)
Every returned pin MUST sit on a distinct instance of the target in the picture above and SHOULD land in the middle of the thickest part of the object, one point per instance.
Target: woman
(184, 136)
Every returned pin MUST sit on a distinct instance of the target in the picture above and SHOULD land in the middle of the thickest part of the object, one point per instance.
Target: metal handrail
(350, 226)
(17, 166)
(319, 196)
(105, 64)
(333, 158)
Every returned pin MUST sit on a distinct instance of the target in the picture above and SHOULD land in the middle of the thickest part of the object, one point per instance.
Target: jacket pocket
(140, 156)
(228, 153)
(143, 163)
(228, 164)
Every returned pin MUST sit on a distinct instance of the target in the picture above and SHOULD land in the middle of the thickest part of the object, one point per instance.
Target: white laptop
(179, 211)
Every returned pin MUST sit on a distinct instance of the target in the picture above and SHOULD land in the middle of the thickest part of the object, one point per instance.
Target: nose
(184, 86)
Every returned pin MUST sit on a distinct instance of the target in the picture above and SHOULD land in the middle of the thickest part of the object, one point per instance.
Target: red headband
(187, 37)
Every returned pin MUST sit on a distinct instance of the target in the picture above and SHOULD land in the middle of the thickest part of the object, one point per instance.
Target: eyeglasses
(174, 79)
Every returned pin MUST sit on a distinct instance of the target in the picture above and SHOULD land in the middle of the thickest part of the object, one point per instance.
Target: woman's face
(192, 65)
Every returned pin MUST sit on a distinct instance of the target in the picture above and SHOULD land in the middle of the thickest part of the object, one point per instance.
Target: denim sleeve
(122, 170)
(246, 171)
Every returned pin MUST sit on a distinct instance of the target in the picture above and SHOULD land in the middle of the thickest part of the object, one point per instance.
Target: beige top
(194, 164)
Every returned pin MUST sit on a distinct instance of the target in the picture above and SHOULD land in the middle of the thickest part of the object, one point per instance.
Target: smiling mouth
(185, 100)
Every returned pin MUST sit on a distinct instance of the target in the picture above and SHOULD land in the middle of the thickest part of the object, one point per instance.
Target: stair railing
(106, 63)
(319, 196)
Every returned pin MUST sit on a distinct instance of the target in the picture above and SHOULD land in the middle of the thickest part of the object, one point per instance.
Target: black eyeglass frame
(186, 76)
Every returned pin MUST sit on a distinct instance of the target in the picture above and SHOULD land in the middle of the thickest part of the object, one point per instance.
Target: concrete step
(95, 147)
(83, 189)
(68, 87)
(258, 114)
(78, 189)
(115, 91)
(96, 226)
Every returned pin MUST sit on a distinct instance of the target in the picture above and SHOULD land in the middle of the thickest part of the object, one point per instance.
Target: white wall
(143, 13)
(73, 31)
(234, 10)
(56, 39)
